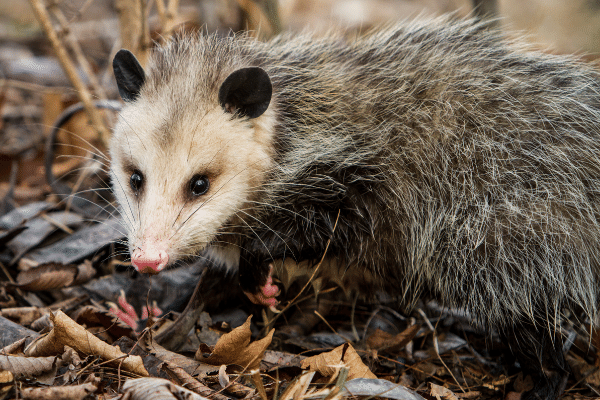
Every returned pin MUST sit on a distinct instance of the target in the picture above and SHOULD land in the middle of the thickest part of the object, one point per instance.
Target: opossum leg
(267, 293)
(257, 282)
(540, 354)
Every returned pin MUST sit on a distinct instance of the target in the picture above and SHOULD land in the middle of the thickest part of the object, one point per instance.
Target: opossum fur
(452, 163)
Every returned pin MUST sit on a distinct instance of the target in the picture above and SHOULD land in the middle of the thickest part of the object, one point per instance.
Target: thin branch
(77, 51)
(63, 57)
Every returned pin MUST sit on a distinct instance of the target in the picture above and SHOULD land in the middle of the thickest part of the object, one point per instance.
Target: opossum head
(187, 154)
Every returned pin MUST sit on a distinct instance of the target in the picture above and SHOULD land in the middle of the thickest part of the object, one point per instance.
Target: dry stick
(76, 48)
(329, 326)
(167, 16)
(81, 10)
(437, 348)
(135, 35)
(42, 15)
(34, 87)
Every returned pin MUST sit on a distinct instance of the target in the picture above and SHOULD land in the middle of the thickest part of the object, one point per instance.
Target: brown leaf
(156, 389)
(381, 340)
(185, 379)
(54, 276)
(187, 364)
(235, 348)
(28, 367)
(280, 359)
(68, 332)
(328, 364)
(23, 315)
(379, 388)
(440, 392)
(75, 392)
(299, 387)
(7, 381)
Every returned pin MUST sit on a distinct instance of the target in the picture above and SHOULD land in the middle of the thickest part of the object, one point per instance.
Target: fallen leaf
(381, 340)
(55, 276)
(67, 332)
(156, 389)
(7, 381)
(44, 368)
(280, 359)
(299, 387)
(327, 364)
(440, 392)
(223, 377)
(83, 243)
(380, 388)
(23, 315)
(40, 228)
(22, 214)
(187, 364)
(235, 348)
(75, 392)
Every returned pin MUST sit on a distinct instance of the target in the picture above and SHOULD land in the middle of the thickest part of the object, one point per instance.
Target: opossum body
(455, 164)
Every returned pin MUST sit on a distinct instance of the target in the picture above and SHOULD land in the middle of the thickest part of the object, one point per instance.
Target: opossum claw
(127, 314)
(268, 293)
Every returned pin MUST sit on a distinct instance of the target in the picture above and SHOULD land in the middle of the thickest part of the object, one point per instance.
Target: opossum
(427, 159)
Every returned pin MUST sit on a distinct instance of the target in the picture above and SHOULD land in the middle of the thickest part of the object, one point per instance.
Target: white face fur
(166, 151)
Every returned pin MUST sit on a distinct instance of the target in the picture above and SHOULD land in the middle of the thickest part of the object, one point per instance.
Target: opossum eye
(199, 185)
(136, 181)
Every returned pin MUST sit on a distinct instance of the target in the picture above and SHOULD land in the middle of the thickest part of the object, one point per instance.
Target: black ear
(129, 74)
(246, 92)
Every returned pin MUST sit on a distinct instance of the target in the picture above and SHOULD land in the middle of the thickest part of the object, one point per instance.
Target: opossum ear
(129, 74)
(246, 92)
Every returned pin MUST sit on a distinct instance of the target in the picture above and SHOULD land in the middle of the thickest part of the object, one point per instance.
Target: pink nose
(150, 261)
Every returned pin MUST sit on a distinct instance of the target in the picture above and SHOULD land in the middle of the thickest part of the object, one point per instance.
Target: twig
(329, 326)
(34, 87)
(76, 48)
(135, 35)
(42, 15)
(167, 16)
(436, 347)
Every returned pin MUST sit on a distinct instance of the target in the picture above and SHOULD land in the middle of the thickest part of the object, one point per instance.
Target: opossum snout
(149, 259)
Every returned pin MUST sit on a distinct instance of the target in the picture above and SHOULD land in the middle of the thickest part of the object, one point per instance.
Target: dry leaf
(381, 340)
(281, 359)
(54, 276)
(235, 348)
(380, 388)
(156, 389)
(67, 332)
(223, 377)
(7, 381)
(183, 378)
(299, 387)
(327, 364)
(15, 347)
(28, 367)
(75, 392)
(23, 315)
(440, 392)
(187, 364)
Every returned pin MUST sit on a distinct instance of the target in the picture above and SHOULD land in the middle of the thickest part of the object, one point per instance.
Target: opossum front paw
(125, 312)
(266, 296)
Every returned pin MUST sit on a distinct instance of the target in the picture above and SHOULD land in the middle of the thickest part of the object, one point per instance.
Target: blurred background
(37, 85)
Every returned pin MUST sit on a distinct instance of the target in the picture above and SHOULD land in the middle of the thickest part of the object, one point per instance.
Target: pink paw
(126, 313)
(267, 294)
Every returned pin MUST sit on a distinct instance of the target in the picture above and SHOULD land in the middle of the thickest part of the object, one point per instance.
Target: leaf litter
(63, 265)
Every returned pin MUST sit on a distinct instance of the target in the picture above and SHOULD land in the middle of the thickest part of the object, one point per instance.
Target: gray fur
(462, 166)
